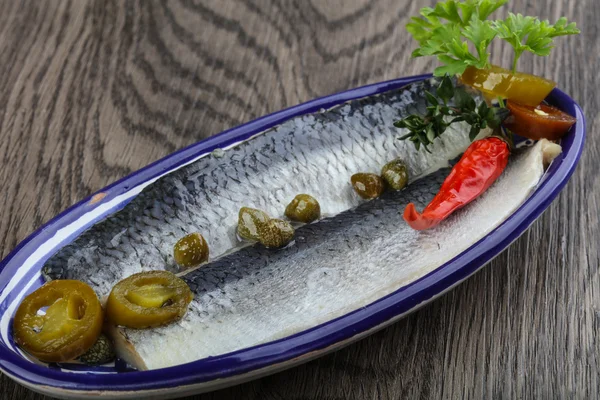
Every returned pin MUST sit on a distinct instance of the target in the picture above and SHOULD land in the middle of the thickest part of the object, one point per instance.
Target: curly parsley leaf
(530, 34)
(462, 12)
(484, 8)
(481, 34)
(447, 10)
(451, 28)
(441, 31)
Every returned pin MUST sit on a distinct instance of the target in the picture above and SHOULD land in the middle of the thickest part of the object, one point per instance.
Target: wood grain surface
(91, 91)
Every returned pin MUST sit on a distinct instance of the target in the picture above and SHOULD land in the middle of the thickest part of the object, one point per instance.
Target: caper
(368, 186)
(191, 250)
(304, 208)
(250, 222)
(101, 352)
(395, 174)
(276, 233)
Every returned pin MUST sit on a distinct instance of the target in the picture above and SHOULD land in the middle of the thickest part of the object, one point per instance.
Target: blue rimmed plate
(20, 274)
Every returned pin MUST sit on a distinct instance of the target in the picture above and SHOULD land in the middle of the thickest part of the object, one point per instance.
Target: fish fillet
(335, 266)
(314, 154)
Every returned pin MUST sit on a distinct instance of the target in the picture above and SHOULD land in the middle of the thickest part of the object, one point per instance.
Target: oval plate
(20, 275)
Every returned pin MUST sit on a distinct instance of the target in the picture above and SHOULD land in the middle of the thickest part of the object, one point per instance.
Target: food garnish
(101, 352)
(367, 186)
(250, 222)
(148, 299)
(497, 82)
(447, 30)
(449, 105)
(481, 164)
(539, 122)
(395, 174)
(190, 250)
(70, 326)
(303, 208)
(531, 35)
(256, 225)
(277, 233)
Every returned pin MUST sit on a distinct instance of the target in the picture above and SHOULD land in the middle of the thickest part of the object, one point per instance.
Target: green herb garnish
(440, 32)
(530, 34)
(448, 30)
(441, 113)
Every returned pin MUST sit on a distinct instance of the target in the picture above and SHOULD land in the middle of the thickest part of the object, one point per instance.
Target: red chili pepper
(478, 168)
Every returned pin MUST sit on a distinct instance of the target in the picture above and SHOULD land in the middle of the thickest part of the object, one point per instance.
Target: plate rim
(318, 338)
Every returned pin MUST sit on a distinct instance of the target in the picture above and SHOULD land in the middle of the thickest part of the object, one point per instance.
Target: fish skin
(314, 154)
(335, 266)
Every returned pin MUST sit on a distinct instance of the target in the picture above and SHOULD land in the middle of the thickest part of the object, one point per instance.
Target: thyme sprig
(449, 105)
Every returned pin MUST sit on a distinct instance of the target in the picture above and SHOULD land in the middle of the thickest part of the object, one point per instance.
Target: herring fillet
(315, 154)
(335, 266)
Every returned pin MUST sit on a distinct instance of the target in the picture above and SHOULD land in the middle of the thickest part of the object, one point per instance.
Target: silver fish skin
(314, 154)
(335, 266)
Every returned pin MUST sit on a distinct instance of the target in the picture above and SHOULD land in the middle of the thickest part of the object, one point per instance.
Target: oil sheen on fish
(335, 266)
(314, 154)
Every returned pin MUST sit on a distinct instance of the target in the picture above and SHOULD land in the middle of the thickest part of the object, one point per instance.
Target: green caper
(304, 208)
(191, 250)
(250, 223)
(101, 352)
(276, 233)
(368, 186)
(395, 174)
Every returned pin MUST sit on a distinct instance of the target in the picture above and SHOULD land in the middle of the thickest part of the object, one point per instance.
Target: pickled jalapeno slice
(69, 327)
(148, 299)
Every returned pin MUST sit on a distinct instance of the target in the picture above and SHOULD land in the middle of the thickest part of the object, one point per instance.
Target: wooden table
(91, 91)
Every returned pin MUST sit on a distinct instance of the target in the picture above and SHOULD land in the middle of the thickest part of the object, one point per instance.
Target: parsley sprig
(530, 34)
(449, 105)
(452, 27)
